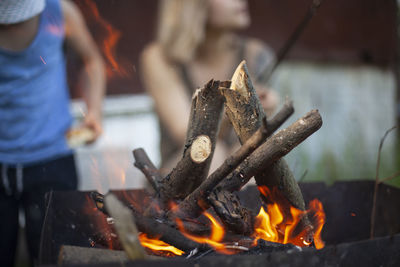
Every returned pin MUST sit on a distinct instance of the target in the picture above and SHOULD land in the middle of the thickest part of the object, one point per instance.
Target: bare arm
(164, 84)
(93, 73)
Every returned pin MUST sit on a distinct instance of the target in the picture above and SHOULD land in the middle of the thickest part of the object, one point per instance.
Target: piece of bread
(80, 136)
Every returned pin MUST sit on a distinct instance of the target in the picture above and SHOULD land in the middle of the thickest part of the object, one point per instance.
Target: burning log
(129, 221)
(195, 202)
(234, 216)
(260, 152)
(164, 232)
(272, 150)
(245, 112)
(192, 169)
(272, 125)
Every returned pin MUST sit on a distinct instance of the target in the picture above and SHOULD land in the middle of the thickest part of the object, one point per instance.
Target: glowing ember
(158, 245)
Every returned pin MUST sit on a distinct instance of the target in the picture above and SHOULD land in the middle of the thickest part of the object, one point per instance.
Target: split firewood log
(192, 169)
(197, 201)
(264, 156)
(245, 112)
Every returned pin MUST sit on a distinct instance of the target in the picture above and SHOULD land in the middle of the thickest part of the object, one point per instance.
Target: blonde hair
(181, 27)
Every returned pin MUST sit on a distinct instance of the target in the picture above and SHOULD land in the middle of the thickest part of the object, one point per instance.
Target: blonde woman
(196, 41)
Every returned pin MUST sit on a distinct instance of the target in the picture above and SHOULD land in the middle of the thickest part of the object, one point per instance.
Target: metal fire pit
(73, 219)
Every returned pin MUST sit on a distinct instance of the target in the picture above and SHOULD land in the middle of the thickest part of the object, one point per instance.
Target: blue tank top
(34, 99)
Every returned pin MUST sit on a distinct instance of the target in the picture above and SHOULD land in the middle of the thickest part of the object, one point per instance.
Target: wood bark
(74, 255)
(234, 216)
(206, 110)
(195, 202)
(143, 163)
(272, 125)
(242, 104)
(128, 222)
(245, 112)
(164, 232)
(275, 148)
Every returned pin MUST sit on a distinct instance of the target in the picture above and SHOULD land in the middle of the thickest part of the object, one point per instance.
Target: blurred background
(344, 64)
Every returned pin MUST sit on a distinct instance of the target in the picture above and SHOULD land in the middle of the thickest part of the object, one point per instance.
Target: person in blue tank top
(34, 110)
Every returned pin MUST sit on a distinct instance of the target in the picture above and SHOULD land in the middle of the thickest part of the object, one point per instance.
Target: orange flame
(279, 222)
(272, 225)
(109, 42)
(319, 218)
(215, 238)
(264, 228)
(158, 245)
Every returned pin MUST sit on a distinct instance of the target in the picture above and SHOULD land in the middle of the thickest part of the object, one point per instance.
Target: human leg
(55, 175)
(9, 206)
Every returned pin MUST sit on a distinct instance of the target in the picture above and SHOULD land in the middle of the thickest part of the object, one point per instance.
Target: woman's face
(228, 14)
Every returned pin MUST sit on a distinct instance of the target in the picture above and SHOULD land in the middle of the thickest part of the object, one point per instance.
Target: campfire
(189, 212)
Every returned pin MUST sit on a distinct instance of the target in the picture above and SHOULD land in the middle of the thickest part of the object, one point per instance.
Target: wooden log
(164, 232)
(272, 125)
(242, 104)
(192, 169)
(239, 219)
(125, 226)
(275, 148)
(143, 163)
(71, 255)
(245, 112)
(234, 216)
(196, 201)
(124, 217)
